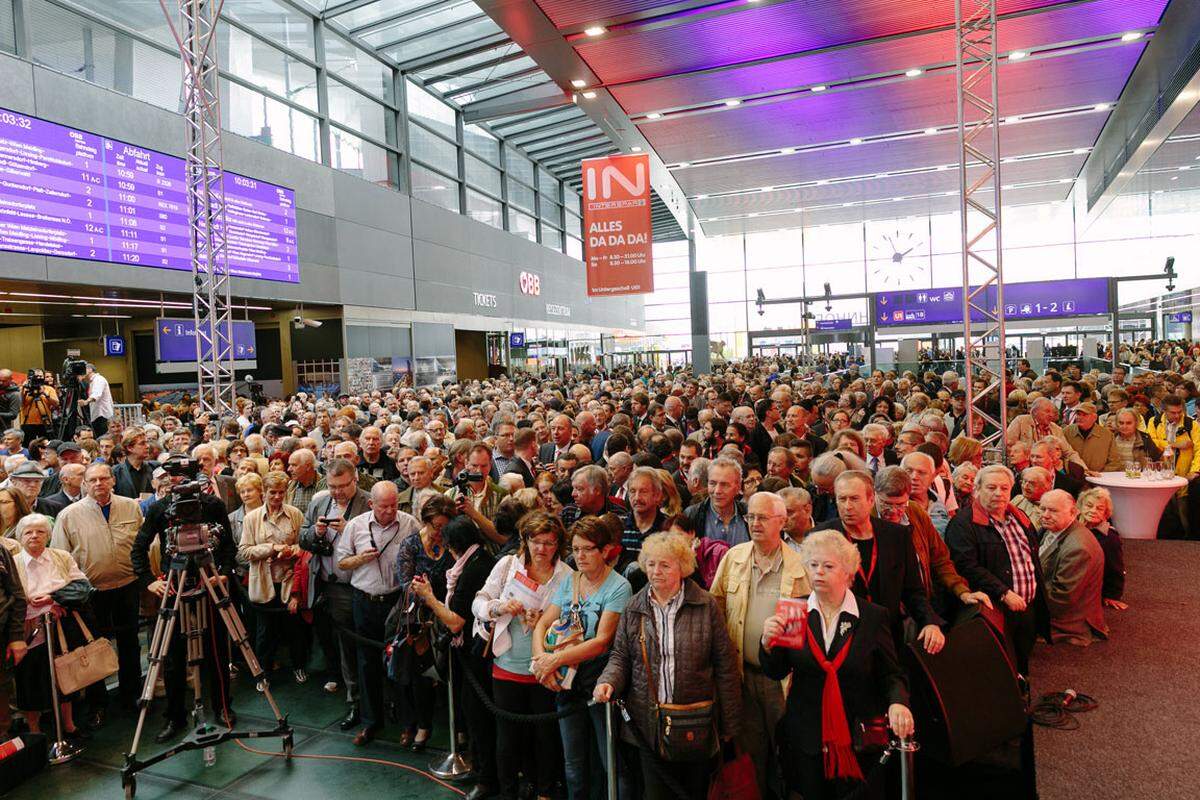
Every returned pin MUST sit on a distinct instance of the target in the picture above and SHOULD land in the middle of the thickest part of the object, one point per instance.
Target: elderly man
(375, 462)
(369, 549)
(879, 455)
(750, 580)
(27, 477)
(420, 486)
(922, 471)
(1035, 482)
(589, 488)
(482, 499)
(70, 490)
(1073, 569)
(305, 481)
(891, 574)
(1095, 444)
(504, 455)
(1039, 424)
(825, 470)
(325, 518)
(645, 517)
(620, 465)
(995, 548)
(722, 515)
(799, 515)
(1048, 455)
(796, 422)
(349, 451)
(560, 440)
(99, 532)
(222, 486)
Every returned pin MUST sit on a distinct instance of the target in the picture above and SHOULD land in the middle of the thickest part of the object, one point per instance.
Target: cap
(29, 469)
(67, 447)
(1086, 407)
(158, 473)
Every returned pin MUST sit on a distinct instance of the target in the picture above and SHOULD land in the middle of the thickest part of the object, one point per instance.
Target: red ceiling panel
(1072, 23)
(1026, 87)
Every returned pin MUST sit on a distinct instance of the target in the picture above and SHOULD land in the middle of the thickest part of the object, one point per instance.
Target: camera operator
(39, 402)
(477, 496)
(158, 519)
(99, 399)
(10, 400)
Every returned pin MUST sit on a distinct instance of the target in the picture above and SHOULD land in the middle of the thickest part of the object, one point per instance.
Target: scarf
(840, 761)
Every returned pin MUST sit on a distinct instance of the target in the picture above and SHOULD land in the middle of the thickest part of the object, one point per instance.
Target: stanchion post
(453, 766)
(61, 751)
(610, 744)
(907, 748)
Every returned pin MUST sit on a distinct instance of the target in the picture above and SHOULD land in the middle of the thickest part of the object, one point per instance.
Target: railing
(130, 414)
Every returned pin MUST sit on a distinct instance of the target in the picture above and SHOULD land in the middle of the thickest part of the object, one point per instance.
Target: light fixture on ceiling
(914, 72)
(733, 101)
(1007, 187)
(856, 140)
(1101, 107)
(951, 193)
(1065, 180)
(943, 167)
(847, 205)
(752, 214)
(1079, 151)
(595, 30)
(654, 115)
(684, 165)
(636, 149)
(1185, 168)
(1013, 120)
(822, 183)
(1017, 55)
(819, 88)
(767, 189)
(930, 131)
(787, 151)
(589, 95)
(1132, 36)
(579, 83)
(701, 197)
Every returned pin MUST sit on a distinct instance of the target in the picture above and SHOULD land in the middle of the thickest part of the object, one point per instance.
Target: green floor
(246, 776)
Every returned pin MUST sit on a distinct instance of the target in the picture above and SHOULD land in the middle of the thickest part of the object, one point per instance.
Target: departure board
(70, 193)
(1032, 300)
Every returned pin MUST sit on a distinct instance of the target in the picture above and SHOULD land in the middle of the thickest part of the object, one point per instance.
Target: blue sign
(1181, 316)
(114, 346)
(834, 324)
(176, 340)
(1035, 300)
(516, 339)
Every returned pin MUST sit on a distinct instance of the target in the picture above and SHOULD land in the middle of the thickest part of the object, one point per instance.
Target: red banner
(616, 225)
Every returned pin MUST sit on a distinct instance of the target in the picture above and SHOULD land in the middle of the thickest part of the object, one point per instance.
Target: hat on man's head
(29, 469)
(67, 447)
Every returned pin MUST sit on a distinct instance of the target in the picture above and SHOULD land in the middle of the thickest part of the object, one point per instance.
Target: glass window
(258, 117)
(375, 11)
(575, 225)
(547, 184)
(420, 20)
(433, 188)
(365, 159)
(8, 33)
(264, 65)
(549, 211)
(573, 204)
(575, 248)
(427, 108)
(482, 176)
(355, 65)
(551, 237)
(348, 107)
(482, 144)
(273, 20)
(488, 73)
(522, 225)
(520, 195)
(144, 18)
(518, 166)
(432, 149)
(482, 208)
(437, 39)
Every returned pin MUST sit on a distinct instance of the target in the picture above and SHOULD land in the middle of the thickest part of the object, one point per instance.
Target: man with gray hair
(1073, 570)
(697, 479)
(825, 469)
(799, 515)
(589, 488)
(1035, 482)
(722, 515)
(620, 464)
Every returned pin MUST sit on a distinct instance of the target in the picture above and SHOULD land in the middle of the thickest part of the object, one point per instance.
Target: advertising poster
(617, 248)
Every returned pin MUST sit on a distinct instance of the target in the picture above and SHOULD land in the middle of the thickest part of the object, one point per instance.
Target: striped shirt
(1017, 544)
(664, 623)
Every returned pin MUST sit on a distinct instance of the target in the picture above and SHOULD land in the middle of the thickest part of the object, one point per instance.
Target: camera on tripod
(186, 531)
(73, 368)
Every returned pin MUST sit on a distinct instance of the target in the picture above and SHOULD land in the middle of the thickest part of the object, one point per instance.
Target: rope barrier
(512, 716)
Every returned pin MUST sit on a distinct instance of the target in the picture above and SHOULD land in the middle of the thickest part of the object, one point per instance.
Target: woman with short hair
(672, 647)
(13, 508)
(844, 673)
(1095, 511)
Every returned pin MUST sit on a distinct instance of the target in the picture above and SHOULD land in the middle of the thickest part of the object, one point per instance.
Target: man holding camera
(39, 401)
(159, 519)
(99, 399)
(477, 496)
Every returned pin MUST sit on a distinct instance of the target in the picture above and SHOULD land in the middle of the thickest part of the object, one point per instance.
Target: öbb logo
(531, 283)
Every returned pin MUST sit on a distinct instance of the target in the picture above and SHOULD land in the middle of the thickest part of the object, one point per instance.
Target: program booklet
(795, 615)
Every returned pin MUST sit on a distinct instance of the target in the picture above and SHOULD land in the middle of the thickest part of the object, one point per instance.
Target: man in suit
(71, 483)
(1073, 569)
(560, 440)
(796, 422)
(324, 520)
(890, 574)
(524, 458)
(223, 486)
(674, 410)
(879, 455)
(995, 548)
(1047, 454)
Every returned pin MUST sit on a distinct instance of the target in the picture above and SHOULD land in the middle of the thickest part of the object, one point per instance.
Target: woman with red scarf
(844, 671)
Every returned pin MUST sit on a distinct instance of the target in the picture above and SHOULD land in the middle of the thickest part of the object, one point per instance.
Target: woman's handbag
(567, 630)
(686, 732)
(734, 779)
(83, 666)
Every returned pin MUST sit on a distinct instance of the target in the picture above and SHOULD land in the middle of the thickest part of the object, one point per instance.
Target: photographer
(10, 400)
(475, 495)
(99, 400)
(162, 515)
(39, 402)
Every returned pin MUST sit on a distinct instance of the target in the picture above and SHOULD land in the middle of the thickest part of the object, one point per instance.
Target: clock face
(894, 264)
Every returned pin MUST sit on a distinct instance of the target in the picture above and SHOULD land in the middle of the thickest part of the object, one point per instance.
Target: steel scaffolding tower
(196, 37)
(979, 207)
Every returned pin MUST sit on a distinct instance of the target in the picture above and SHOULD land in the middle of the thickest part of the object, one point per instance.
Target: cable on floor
(1058, 709)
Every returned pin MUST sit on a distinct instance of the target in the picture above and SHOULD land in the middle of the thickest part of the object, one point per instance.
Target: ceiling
(25, 302)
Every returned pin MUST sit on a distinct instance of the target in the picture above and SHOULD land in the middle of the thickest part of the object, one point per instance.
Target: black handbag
(75, 594)
(685, 731)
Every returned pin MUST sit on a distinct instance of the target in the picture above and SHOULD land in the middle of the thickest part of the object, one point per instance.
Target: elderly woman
(1095, 511)
(464, 580)
(13, 508)
(847, 658)
(585, 611)
(270, 546)
(672, 647)
(250, 490)
(849, 441)
(963, 480)
(539, 560)
(965, 450)
(44, 571)
(1133, 445)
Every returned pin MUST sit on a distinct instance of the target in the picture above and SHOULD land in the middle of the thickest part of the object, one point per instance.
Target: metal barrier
(130, 414)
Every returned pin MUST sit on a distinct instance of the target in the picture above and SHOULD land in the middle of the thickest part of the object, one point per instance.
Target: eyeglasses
(752, 518)
(579, 551)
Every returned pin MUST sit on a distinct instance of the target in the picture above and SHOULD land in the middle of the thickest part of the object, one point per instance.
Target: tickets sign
(616, 222)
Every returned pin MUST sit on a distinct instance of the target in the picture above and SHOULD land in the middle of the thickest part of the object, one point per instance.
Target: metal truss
(205, 177)
(979, 206)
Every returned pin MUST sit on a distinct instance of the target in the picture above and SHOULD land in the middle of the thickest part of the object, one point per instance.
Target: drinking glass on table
(1133, 470)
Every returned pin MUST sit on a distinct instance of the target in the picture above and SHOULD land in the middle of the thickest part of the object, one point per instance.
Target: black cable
(1057, 709)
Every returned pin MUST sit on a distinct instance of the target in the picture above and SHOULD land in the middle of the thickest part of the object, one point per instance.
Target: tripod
(187, 607)
(69, 407)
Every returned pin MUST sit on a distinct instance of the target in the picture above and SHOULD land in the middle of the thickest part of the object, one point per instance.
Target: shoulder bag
(94, 661)
(685, 732)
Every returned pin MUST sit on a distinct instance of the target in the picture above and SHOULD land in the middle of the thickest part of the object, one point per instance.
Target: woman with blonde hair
(671, 502)
(13, 508)
(1095, 511)
(965, 450)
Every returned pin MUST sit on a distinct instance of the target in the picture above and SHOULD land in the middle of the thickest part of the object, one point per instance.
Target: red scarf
(840, 761)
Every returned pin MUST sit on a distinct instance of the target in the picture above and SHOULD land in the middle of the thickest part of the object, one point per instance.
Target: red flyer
(795, 615)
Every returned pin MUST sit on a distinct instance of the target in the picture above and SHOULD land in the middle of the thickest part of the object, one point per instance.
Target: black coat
(870, 679)
(212, 511)
(895, 583)
(52, 505)
(519, 467)
(123, 479)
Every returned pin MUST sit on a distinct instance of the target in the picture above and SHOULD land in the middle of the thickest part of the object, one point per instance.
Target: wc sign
(616, 221)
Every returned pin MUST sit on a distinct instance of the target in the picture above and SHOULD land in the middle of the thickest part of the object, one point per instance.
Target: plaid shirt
(1017, 543)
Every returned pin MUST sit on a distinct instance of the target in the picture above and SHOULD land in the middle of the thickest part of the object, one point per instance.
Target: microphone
(1068, 697)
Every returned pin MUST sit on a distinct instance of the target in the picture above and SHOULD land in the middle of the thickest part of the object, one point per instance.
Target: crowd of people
(633, 536)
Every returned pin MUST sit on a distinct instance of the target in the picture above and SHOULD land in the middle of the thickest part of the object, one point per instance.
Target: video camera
(466, 478)
(35, 381)
(73, 368)
(186, 531)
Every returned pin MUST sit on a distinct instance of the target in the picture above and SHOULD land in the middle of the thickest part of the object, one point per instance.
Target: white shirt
(849, 606)
(377, 576)
(41, 577)
(99, 392)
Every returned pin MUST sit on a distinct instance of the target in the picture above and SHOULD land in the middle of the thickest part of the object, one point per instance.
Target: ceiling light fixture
(951, 193)
(914, 72)
(1185, 168)
(684, 165)
(701, 197)
(1079, 151)
(856, 140)
(819, 88)
(1101, 107)
(654, 115)
(930, 131)
(578, 83)
(1065, 180)
(943, 167)
(787, 151)
(589, 95)
(636, 149)
(847, 205)
(1132, 36)
(822, 183)
(595, 30)
(1017, 55)
(1012, 120)
(767, 189)
(733, 102)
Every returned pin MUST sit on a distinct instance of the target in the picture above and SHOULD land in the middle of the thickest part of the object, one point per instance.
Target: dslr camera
(35, 381)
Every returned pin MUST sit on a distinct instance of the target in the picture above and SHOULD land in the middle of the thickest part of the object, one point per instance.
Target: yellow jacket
(1186, 462)
(731, 586)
